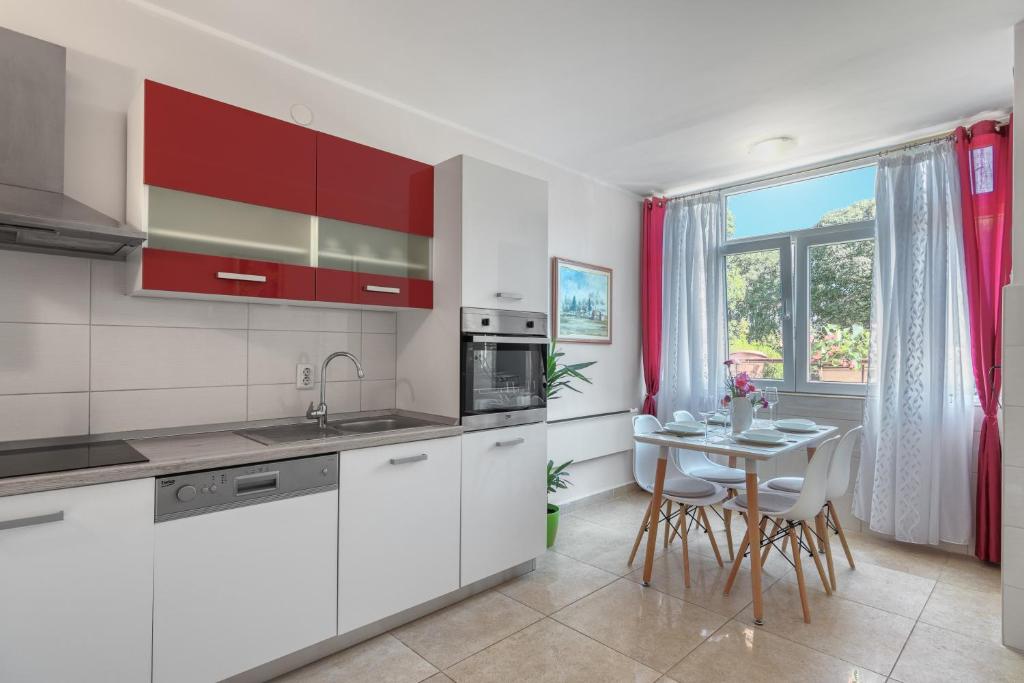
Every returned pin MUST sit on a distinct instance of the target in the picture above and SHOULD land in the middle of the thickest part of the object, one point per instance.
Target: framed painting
(581, 302)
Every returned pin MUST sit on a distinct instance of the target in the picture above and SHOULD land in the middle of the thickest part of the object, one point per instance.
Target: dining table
(721, 441)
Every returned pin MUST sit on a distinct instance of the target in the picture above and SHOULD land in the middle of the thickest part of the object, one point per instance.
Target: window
(798, 260)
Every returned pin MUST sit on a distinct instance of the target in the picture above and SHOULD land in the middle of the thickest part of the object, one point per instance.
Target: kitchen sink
(273, 436)
(369, 425)
(282, 434)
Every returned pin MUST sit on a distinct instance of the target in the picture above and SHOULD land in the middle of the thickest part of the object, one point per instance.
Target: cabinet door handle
(244, 277)
(382, 290)
(408, 459)
(511, 296)
(511, 442)
(32, 521)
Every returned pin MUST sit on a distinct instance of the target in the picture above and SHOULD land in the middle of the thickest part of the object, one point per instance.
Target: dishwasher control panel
(196, 493)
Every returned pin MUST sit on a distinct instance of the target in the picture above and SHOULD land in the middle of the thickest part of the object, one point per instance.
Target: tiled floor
(906, 614)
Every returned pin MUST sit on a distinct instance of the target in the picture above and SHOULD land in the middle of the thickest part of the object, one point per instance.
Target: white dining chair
(793, 514)
(838, 484)
(690, 495)
(698, 464)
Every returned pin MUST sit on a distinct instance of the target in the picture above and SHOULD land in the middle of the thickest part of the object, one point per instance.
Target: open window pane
(840, 311)
(754, 282)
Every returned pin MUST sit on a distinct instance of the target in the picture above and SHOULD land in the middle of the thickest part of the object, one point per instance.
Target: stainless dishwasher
(245, 566)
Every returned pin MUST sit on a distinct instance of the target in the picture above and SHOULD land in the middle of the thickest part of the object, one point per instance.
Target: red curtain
(984, 158)
(650, 297)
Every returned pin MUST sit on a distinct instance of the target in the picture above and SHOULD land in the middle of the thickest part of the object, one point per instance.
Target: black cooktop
(73, 456)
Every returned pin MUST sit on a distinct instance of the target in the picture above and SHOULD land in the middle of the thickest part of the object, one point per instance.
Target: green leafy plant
(561, 375)
(558, 478)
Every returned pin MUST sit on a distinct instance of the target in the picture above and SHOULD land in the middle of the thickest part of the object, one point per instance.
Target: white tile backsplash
(41, 288)
(383, 322)
(284, 400)
(110, 305)
(43, 358)
(38, 416)
(166, 357)
(305, 318)
(78, 355)
(122, 411)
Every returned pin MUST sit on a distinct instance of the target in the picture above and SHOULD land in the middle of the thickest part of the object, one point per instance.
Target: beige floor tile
(970, 572)
(652, 627)
(445, 637)
(707, 580)
(842, 628)
(738, 652)
(621, 512)
(438, 678)
(921, 561)
(936, 655)
(548, 652)
(557, 581)
(973, 613)
(383, 659)
(887, 589)
(601, 546)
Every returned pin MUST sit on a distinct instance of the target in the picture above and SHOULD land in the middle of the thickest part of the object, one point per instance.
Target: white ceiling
(656, 94)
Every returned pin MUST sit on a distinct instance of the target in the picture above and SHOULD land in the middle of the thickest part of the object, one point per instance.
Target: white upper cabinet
(76, 584)
(504, 220)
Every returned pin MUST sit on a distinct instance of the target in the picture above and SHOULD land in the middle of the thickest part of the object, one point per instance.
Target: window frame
(793, 246)
(782, 244)
(803, 240)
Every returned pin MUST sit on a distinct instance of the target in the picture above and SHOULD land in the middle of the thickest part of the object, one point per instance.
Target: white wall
(114, 44)
(1012, 423)
(80, 356)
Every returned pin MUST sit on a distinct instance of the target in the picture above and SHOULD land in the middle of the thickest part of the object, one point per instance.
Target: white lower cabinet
(504, 499)
(237, 588)
(398, 528)
(76, 584)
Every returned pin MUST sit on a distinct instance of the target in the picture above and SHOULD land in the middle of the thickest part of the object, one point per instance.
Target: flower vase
(741, 414)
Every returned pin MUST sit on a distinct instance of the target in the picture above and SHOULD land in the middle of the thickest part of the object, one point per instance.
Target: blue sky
(799, 204)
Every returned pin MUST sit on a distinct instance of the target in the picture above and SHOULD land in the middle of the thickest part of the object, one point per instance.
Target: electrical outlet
(304, 376)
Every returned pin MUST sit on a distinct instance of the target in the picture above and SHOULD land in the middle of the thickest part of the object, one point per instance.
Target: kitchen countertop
(174, 453)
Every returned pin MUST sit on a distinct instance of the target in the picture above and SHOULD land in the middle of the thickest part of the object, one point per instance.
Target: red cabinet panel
(385, 290)
(360, 184)
(176, 271)
(196, 144)
(335, 285)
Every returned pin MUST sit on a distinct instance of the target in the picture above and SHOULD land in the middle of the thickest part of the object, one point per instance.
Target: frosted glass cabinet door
(379, 251)
(197, 224)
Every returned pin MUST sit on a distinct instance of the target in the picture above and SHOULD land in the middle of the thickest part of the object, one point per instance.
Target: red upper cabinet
(195, 144)
(360, 184)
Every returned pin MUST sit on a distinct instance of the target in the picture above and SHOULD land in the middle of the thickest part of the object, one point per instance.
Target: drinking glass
(771, 396)
(708, 408)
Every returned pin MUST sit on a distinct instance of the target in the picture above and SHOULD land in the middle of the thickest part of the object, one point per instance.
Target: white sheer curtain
(914, 478)
(693, 300)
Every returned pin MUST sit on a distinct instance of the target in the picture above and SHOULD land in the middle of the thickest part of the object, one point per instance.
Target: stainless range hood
(35, 214)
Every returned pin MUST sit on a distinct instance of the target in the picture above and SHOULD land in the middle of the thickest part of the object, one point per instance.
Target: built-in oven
(504, 362)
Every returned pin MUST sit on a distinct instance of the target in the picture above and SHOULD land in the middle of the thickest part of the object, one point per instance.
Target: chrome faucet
(320, 412)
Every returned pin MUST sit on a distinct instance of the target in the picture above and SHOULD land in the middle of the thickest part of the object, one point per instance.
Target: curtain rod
(863, 156)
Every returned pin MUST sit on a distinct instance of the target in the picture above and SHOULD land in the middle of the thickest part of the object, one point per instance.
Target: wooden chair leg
(817, 560)
(822, 527)
(800, 576)
(640, 534)
(668, 519)
(727, 519)
(711, 535)
(686, 547)
(736, 563)
(842, 535)
(675, 532)
(777, 526)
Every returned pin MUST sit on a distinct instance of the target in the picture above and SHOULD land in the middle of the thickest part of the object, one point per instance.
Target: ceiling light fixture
(772, 148)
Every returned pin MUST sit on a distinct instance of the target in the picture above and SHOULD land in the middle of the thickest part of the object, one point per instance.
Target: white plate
(719, 419)
(762, 437)
(797, 424)
(685, 427)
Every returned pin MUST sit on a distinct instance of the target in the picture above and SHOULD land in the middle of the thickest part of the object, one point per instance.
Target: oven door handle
(495, 339)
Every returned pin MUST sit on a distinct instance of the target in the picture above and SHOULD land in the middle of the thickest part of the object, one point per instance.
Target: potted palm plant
(560, 376)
